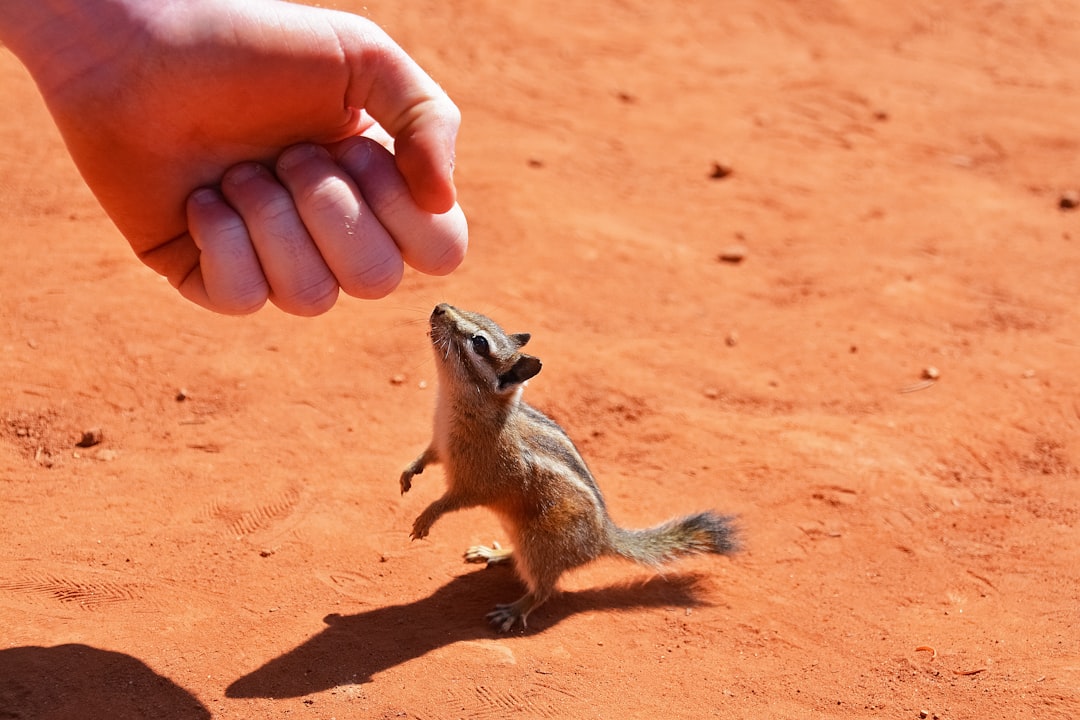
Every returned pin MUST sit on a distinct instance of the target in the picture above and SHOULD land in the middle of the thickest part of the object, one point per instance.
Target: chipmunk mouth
(441, 339)
(443, 322)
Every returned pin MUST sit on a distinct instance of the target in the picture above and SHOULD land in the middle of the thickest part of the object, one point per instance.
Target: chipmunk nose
(440, 309)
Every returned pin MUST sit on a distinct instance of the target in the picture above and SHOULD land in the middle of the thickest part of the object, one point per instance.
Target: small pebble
(1069, 200)
(734, 254)
(43, 457)
(712, 393)
(182, 395)
(397, 379)
(720, 170)
(732, 339)
(931, 373)
(90, 438)
(924, 713)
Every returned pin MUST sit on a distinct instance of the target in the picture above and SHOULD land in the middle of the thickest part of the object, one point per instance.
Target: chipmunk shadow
(353, 648)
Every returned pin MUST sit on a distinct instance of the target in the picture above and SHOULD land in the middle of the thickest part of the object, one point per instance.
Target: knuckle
(308, 300)
(452, 255)
(392, 203)
(327, 197)
(376, 280)
(243, 300)
(275, 209)
(444, 247)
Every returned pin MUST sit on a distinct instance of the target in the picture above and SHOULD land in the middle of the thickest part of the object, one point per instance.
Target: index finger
(432, 244)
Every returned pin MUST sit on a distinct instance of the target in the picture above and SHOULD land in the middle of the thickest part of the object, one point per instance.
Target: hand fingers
(228, 278)
(405, 101)
(433, 244)
(300, 281)
(326, 224)
(358, 250)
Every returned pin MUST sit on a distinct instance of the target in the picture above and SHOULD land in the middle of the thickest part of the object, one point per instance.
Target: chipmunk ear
(526, 367)
(520, 339)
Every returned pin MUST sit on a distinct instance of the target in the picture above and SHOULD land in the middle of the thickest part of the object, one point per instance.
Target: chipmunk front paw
(406, 480)
(421, 527)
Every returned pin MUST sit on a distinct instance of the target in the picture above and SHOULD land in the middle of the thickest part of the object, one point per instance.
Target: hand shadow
(353, 648)
(72, 682)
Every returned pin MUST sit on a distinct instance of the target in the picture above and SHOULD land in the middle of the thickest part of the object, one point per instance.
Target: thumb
(409, 105)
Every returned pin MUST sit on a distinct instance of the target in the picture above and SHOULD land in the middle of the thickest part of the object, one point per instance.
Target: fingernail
(204, 196)
(242, 173)
(357, 156)
(296, 155)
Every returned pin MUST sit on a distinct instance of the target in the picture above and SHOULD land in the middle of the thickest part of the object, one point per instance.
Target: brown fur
(503, 454)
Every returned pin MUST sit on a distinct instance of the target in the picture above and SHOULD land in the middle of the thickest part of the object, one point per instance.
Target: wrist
(59, 41)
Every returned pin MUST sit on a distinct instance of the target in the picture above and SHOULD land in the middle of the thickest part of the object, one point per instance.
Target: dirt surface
(236, 546)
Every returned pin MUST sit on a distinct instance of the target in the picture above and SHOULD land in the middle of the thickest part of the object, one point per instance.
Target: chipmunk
(503, 454)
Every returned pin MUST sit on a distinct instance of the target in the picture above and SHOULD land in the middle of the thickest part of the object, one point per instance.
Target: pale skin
(240, 145)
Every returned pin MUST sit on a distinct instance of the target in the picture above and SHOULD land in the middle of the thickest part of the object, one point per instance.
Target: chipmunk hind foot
(494, 555)
(704, 532)
(504, 617)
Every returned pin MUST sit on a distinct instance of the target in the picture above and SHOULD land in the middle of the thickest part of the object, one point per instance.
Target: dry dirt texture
(236, 546)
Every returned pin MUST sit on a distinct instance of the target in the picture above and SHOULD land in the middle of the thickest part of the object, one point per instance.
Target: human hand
(230, 142)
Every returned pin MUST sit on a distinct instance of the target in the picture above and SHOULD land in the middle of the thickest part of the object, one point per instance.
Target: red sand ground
(244, 552)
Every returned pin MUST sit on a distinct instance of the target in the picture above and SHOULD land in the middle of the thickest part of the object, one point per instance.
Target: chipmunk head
(472, 347)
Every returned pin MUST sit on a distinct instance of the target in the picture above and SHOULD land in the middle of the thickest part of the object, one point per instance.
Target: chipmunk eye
(480, 345)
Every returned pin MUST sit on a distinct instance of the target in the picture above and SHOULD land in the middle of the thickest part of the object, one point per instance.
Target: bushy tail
(704, 532)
